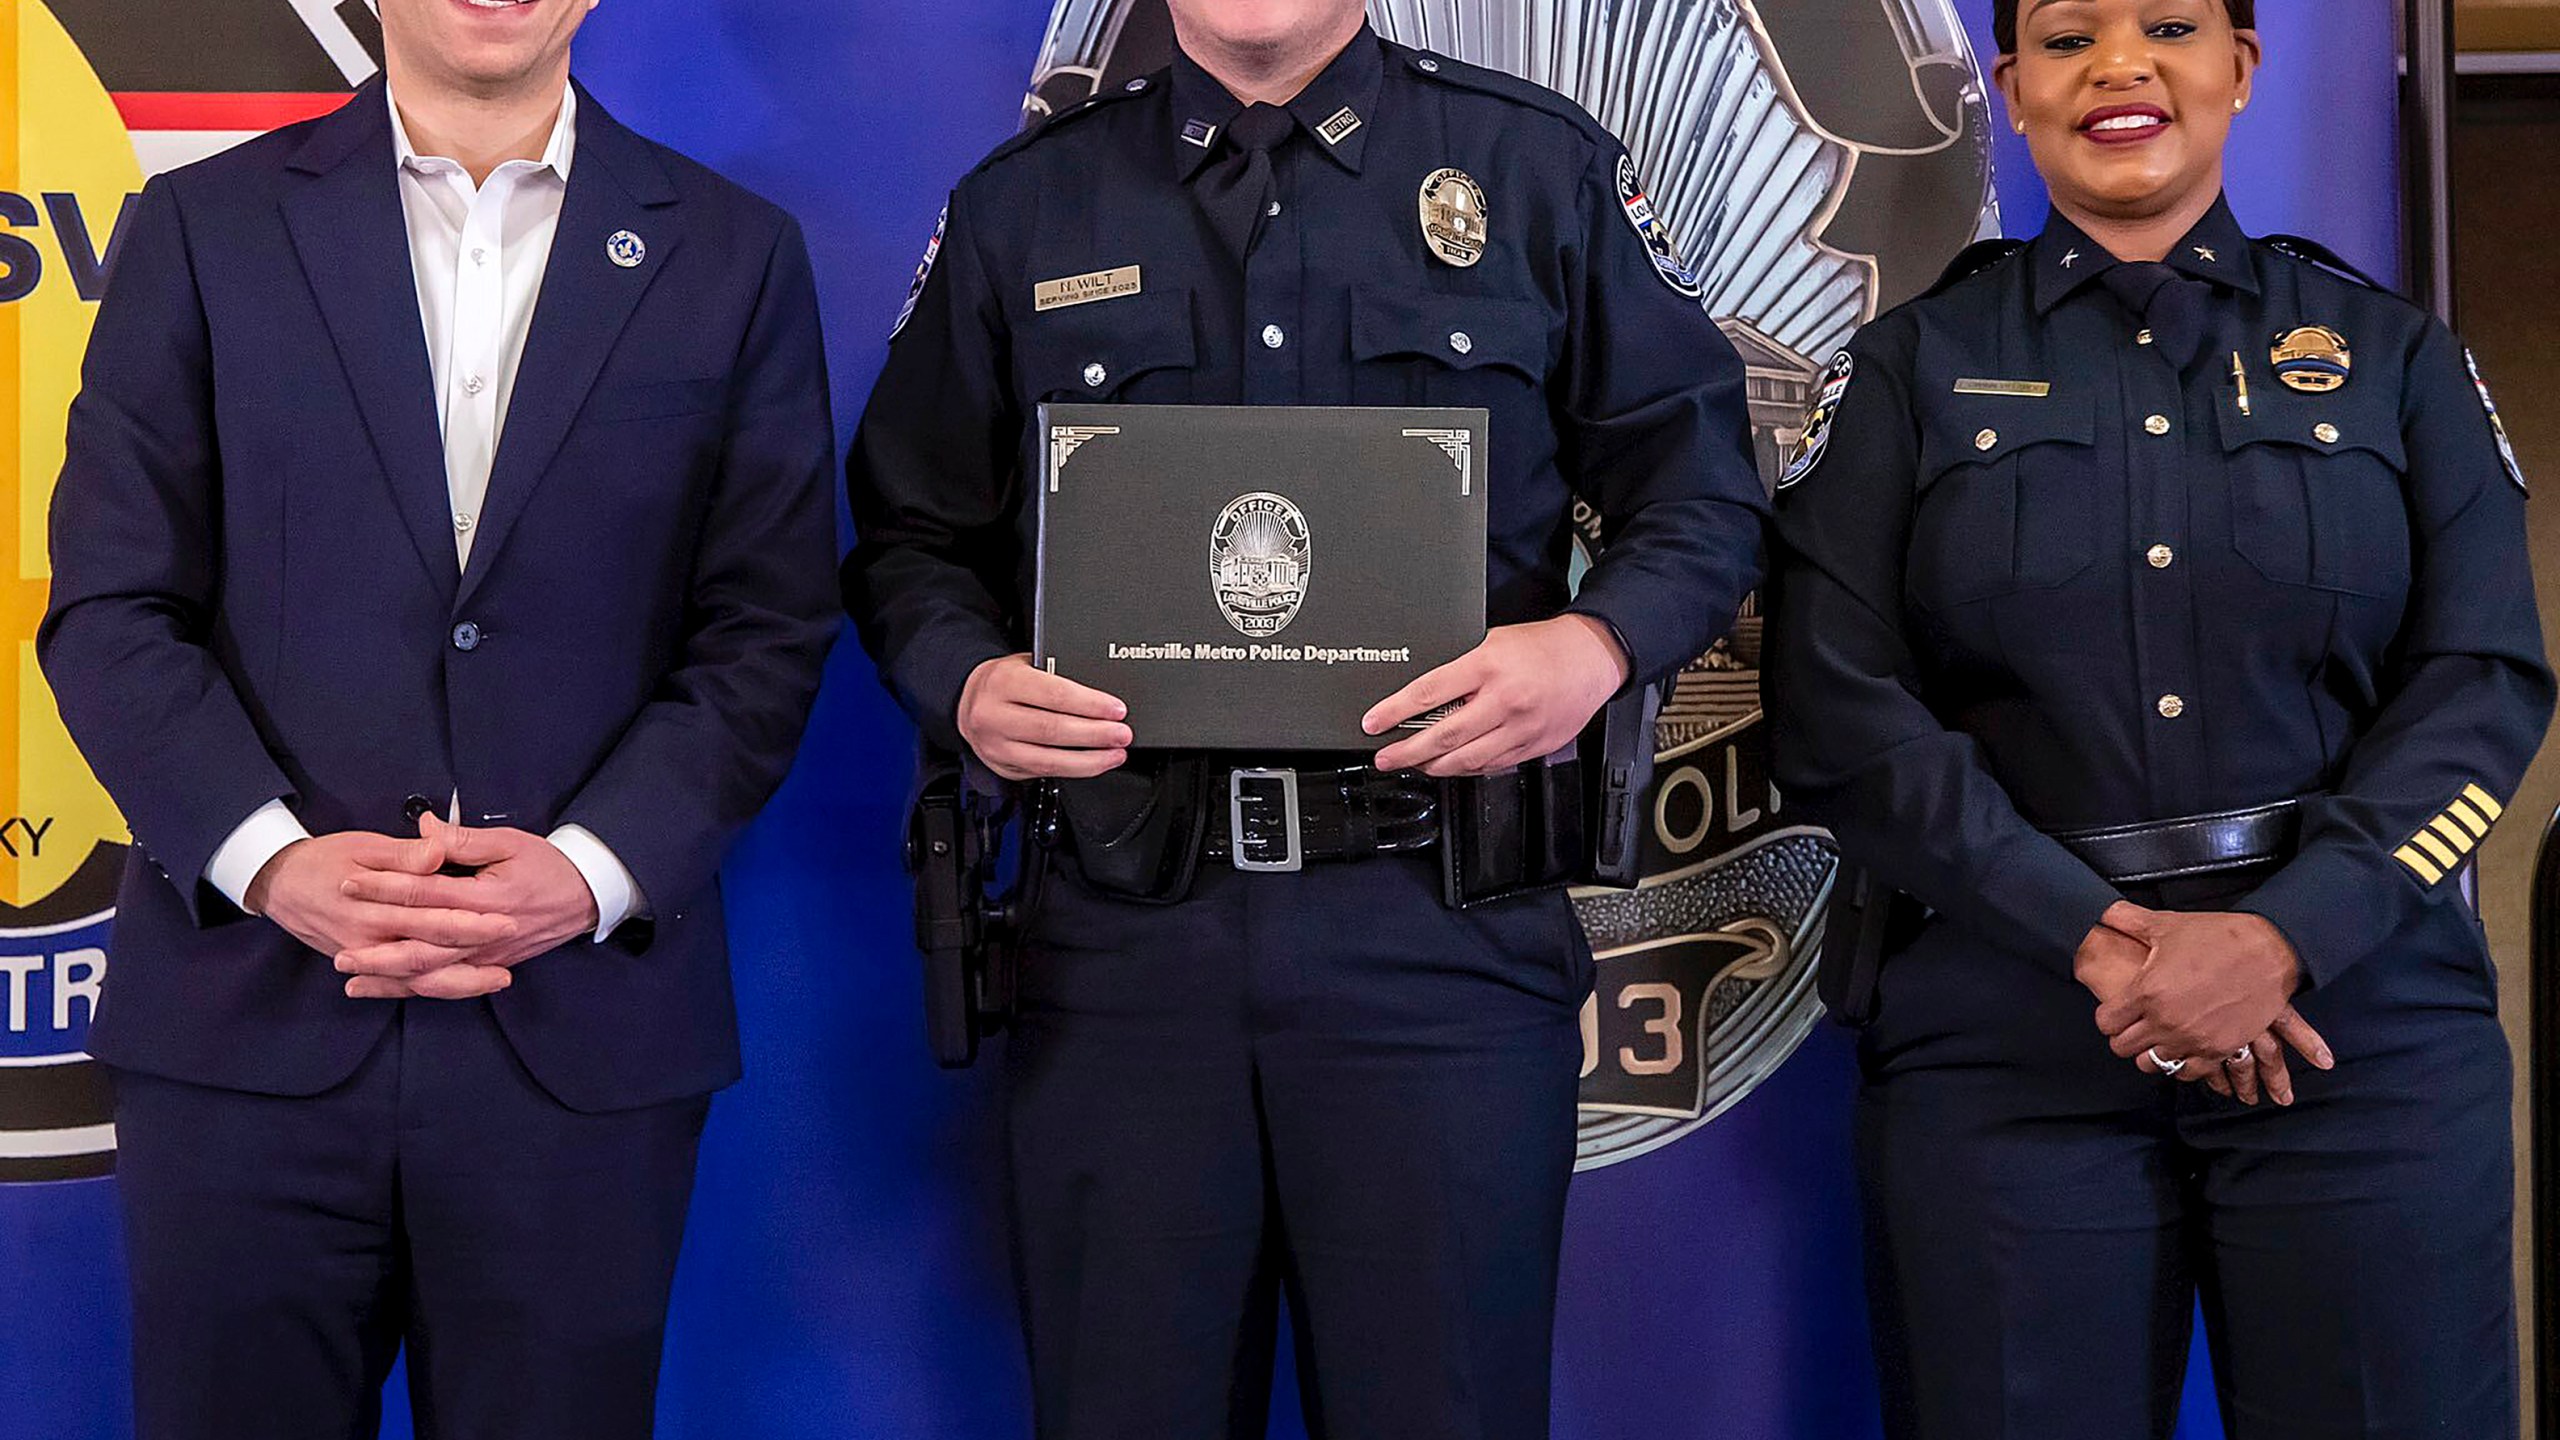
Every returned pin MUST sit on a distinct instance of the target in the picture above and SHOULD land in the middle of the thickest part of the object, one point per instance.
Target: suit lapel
(348, 232)
(615, 186)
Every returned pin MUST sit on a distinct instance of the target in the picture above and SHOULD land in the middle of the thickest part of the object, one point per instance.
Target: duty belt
(1278, 820)
(2193, 845)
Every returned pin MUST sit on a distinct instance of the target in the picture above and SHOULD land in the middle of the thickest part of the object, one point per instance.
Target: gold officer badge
(1453, 216)
(2313, 359)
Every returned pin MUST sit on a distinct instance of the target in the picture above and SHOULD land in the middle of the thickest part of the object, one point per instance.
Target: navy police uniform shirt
(2033, 577)
(1575, 324)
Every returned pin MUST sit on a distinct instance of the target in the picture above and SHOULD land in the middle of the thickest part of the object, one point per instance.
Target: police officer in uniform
(1328, 1083)
(2153, 612)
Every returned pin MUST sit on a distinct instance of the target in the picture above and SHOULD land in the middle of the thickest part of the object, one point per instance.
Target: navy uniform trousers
(2043, 1217)
(283, 1247)
(1323, 1084)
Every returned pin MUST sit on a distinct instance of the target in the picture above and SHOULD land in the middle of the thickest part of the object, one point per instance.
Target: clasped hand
(398, 927)
(2200, 988)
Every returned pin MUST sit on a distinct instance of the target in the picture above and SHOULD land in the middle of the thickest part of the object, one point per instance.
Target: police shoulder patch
(1818, 420)
(1650, 228)
(924, 272)
(2497, 426)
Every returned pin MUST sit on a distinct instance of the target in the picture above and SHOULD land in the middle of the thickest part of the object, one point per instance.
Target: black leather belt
(1283, 819)
(2194, 845)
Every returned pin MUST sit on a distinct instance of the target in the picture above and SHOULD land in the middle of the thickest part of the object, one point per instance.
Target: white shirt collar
(556, 153)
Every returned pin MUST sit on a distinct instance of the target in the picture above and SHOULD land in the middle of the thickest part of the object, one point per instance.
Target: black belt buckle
(1262, 821)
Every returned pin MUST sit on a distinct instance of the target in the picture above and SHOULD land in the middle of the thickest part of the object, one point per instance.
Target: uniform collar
(557, 153)
(1334, 109)
(2065, 258)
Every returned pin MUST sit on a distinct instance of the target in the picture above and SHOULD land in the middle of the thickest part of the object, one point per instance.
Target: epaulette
(1051, 122)
(1502, 85)
(1972, 260)
(2314, 253)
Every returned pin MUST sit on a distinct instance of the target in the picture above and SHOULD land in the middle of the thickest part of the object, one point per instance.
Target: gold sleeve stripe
(2481, 798)
(2444, 854)
(2454, 835)
(2461, 810)
(2408, 855)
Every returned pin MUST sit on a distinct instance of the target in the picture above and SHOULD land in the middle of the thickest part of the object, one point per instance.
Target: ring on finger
(2166, 1066)
(2245, 1055)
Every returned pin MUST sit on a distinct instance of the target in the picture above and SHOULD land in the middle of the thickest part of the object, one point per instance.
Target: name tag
(1085, 289)
(2023, 389)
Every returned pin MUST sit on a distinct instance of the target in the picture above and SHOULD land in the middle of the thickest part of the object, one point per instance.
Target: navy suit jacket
(255, 592)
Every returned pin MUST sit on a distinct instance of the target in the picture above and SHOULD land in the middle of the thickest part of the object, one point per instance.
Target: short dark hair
(2004, 20)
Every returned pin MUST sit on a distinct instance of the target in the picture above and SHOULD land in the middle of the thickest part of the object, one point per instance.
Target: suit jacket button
(466, 637)
(415, 806)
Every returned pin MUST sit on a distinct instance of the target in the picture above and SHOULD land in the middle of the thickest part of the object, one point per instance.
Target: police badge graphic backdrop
(1806, 162)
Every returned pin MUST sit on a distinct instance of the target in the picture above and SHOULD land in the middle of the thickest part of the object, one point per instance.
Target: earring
(2238, 105)
(2018, 125)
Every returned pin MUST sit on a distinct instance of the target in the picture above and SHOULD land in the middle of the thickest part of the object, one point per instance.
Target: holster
(1135, 833)
(966, 932)
(1865, 920)
(1617, 769)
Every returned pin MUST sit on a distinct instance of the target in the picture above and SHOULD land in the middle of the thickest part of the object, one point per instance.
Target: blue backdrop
(845, 1275)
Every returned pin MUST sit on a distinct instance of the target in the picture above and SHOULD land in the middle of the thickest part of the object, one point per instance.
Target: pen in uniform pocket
(2240, 377)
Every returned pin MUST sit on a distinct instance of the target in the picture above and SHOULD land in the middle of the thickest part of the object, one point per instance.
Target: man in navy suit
(442, 572)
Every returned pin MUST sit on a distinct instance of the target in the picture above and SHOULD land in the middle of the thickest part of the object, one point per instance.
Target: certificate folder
(1255, 577)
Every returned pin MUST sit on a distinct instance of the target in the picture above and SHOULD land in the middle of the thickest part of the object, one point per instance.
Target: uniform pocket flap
(1463, 332)
(1984, 429)
(1090, 351)
(2324, 424)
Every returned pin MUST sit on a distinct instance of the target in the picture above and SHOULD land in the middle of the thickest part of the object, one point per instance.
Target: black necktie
(1238, 191)
(2173, 306)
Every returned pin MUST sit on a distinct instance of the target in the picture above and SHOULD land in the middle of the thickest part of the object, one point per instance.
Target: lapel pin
(624, 249)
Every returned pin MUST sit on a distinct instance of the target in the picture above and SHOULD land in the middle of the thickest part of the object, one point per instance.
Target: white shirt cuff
(618, 896)
(251, 844)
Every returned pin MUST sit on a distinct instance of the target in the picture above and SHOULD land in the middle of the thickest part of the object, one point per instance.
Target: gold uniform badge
(1453, 216)
(2313, 359)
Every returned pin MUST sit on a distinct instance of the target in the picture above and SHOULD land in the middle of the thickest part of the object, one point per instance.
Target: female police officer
(2153, 611)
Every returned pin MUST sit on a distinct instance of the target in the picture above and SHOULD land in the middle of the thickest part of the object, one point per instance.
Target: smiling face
(482, 48)
(2128, 103)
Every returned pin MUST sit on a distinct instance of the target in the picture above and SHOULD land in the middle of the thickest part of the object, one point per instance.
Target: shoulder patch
(2312, 252)
(1972, 260)
(1653, 230)
(1818, 420)
(924, 271)
(2497, 427)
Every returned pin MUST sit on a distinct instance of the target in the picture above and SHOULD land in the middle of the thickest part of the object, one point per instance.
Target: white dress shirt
(479, 253)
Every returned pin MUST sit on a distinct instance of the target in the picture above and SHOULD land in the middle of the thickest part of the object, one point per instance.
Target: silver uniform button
(1273, 337)
(1427, 65)
(2171, 707)
(1461, 341)
(2161, 557)
(1094, 375)
(2142, 337)
(1274, 211)
(1134, 86)
(2157, 424)
(1986, 439)
(2325, 433)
